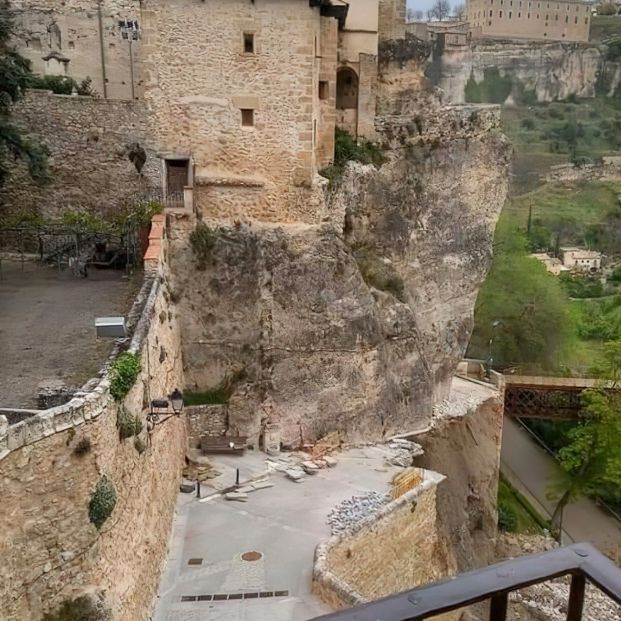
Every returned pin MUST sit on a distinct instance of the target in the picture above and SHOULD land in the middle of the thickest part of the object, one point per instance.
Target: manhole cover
(251, 556)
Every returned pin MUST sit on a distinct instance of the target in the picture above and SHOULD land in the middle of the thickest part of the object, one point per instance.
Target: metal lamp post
(490, 356)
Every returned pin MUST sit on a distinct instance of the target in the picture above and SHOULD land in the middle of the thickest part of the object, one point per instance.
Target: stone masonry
(63, 38)
(394, 550)
(88, 140)
(50, 550)
(206, 420)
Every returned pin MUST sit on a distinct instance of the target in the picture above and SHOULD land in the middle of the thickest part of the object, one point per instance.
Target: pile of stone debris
(355, 509)
(548, 601)
(297, 467)
(403, 452)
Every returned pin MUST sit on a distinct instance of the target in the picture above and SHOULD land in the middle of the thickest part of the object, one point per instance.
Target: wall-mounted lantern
(174, 401)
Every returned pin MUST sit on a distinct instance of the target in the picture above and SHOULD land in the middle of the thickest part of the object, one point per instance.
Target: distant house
(552, 264)
(581, 259)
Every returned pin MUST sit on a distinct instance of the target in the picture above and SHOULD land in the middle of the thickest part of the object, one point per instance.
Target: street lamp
(175, 400)
(490, 357)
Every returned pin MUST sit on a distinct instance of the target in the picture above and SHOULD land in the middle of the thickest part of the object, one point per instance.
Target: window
(490, 14)
(247, 117)
(248, 43)
(500, 14)
(519, 15)
(556, 18)
(586, 20)
(323, 89)
(509, 14)
(575, 20)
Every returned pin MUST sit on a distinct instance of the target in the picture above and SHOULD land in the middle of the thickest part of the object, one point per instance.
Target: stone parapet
(358, 566)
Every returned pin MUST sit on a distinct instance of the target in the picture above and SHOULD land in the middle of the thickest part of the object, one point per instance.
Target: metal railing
(494, 584)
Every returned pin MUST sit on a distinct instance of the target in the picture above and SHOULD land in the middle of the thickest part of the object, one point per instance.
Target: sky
(424, 5)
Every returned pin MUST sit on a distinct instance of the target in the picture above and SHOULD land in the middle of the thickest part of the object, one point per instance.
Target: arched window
(346, 88)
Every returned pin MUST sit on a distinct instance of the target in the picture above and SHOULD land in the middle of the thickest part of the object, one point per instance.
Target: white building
(552, 264)
(581, 259)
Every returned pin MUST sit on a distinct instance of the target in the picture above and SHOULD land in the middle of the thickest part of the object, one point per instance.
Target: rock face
(356, 324)
(551, 70)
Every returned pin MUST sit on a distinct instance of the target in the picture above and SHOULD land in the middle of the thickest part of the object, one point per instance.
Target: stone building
(581, 259)
(83, 39)
(565, 20)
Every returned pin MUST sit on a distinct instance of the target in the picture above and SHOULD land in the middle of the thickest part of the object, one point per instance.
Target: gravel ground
(47, 326)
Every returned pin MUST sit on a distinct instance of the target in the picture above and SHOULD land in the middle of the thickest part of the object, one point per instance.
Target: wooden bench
(223, 444)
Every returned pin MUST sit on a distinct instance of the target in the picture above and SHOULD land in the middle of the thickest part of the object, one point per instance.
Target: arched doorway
(347, 99)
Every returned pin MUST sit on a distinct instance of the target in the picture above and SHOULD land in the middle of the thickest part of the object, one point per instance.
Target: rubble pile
(404, 452)
(354, 509)
(550, 601)
(454, 409)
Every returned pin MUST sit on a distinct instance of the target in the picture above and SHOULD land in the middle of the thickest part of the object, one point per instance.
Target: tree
(536, 325)
(419, 15)
(14, 75)
(591, 462)
(459, 12)
(440, 10)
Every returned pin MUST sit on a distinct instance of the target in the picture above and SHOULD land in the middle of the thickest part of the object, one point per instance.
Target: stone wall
(206, 420)
(70, 31)
(396, 550)
(88, 140)
(50, 550)
(198, 79)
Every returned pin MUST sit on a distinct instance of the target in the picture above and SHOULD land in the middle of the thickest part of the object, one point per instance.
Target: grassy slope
(528, 522)
(536, 148)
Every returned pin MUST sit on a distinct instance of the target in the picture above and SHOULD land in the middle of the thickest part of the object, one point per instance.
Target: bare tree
(410, 14)
(459, 12)
(419, 15)
(440, 10)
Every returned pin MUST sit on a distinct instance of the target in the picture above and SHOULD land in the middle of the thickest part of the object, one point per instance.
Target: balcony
(494, 584)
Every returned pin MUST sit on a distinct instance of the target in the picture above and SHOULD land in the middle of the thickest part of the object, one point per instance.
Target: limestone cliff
(551, 70)
(355, 324)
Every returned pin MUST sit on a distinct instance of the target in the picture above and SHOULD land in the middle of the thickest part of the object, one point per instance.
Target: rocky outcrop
(356, 324)
(550, 71)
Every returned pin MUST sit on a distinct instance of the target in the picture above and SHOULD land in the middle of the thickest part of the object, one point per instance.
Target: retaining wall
(50, 550)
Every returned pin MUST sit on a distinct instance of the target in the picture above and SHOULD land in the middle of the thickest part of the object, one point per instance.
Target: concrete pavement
(283, 524)
(530, 469)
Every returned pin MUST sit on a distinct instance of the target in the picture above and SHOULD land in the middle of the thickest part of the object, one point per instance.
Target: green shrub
(61, 85)
(507, 518)
(376, 273)
(555, 113)
(202, 240)
(81, 608)
(218, 395)
(528, 123)
(140, 445)
(616, 274)
(347, 149)
(102, 502)
(82, 447)
(127, 424)
(123, 374)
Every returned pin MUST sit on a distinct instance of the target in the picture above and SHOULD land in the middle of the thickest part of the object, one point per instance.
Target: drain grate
(222, 597)
(195, 561)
